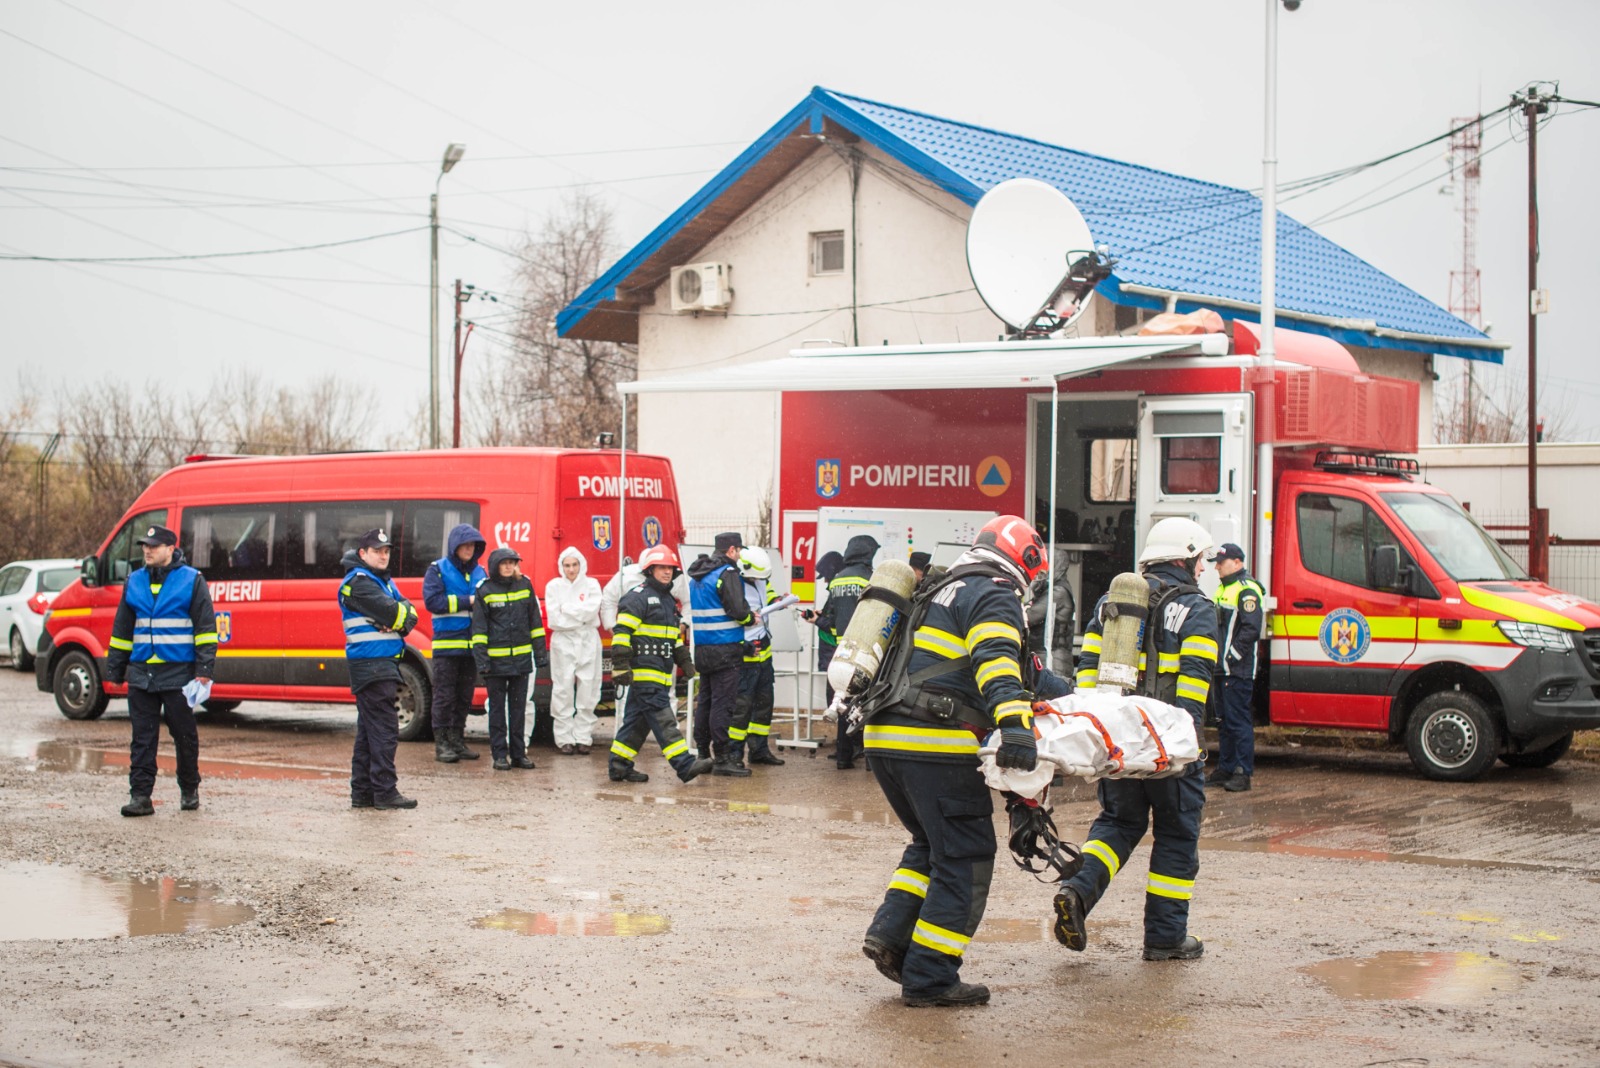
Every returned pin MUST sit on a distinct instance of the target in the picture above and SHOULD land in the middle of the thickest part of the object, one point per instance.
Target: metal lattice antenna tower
(1466, 301)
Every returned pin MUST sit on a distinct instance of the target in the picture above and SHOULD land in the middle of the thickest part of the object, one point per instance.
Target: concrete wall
(1493, 479)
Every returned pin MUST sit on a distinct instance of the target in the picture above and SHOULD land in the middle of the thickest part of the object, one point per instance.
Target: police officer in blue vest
(448, 589)
(718, 613)
(376, 619)
(1239, 610)
(163, 637)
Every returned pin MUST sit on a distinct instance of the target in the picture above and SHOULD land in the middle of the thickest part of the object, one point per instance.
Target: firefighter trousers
(937, 895)
(1127, 809)
(649, 709)
(752, 712)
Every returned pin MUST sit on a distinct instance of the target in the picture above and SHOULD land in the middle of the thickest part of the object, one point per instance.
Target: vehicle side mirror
(89, 570)
(1386, 567)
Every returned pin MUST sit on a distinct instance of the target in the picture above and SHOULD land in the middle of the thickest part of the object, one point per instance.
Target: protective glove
(1018, 749)
(684, 658)
(621, 670)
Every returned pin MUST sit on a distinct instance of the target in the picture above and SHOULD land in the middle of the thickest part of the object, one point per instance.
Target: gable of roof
(1172, 237)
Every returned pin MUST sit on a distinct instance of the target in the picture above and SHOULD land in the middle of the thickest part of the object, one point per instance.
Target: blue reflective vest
(710, 621)
(453, 630)
(362, 639)
(162, 629)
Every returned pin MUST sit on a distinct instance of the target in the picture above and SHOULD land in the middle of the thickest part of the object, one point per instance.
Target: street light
(452, 155)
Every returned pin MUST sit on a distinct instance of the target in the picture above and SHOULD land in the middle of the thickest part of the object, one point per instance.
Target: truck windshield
(1463, 548)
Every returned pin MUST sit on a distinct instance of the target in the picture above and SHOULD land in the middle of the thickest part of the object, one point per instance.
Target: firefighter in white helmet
(752, 712)
(1185, 642)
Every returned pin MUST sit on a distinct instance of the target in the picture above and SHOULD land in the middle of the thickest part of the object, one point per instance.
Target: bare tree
(554, 390)
(1491, 406)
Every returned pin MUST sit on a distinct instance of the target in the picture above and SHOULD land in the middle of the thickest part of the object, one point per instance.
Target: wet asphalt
(1353, 914)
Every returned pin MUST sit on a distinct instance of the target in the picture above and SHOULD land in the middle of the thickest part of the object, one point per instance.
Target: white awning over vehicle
(982, 365)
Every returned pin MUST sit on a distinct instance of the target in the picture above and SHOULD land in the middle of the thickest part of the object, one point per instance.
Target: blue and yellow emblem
(651, 531)
(600, 527)
(828, 478)
(1345, 635)
(224, 627)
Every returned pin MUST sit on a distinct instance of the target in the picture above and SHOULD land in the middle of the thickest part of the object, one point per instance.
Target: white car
(26, 589)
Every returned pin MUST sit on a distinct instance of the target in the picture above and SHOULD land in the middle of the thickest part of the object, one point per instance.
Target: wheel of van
(21, 659)
(76, 683)
(1540, 758)
(416, 705)
(1452, 737)
(213, 705)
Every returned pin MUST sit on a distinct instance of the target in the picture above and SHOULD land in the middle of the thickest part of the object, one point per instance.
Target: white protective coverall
(572, 616)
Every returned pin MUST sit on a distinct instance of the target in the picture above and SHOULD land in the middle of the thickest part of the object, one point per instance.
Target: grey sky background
(181, 127)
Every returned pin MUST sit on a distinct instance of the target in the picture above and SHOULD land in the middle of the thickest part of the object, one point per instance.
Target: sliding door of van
(1195, 456)
(319, 535)
(242, 551)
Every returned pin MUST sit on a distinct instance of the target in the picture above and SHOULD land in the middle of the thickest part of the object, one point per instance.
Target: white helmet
(1175, 538)
(754, 563)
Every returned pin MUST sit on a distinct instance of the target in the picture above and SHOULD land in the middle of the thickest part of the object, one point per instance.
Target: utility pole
(1534, 103)
(463, 294)
(452, 155)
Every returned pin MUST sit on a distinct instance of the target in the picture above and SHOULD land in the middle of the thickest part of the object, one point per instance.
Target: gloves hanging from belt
(685, 660)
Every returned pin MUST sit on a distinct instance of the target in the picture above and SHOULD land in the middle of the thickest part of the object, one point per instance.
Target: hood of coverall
(464, 534)
(583, 565)
(860, 550)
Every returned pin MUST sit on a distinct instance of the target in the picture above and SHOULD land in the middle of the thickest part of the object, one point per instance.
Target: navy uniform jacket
(369, 599)
(1187, 648)
(1239, 608)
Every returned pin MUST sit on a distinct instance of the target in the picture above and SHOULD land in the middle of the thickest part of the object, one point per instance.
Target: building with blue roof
(844, 223)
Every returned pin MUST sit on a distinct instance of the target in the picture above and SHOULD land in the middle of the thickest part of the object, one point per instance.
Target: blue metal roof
(1165, 231)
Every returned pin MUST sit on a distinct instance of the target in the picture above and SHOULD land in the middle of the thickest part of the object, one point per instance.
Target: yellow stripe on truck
(1516, 610)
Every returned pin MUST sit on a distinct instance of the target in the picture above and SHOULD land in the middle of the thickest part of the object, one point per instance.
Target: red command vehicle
(1394, 611)
(268, 534)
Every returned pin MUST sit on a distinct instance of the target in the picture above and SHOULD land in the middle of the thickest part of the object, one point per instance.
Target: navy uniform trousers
(372, 771)
(1128, 807)
(936, 897)
(454, 678)
(649, 709)
(146, 710)
(1236, 730)
(714, 709)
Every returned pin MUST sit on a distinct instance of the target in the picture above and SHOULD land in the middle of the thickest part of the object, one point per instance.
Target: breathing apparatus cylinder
(1122, 632)
(871, 630)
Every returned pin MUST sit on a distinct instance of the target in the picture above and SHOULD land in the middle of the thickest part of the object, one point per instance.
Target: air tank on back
(865, 641)
(1122, 632)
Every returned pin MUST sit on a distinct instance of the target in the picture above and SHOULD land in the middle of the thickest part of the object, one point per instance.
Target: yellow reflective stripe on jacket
(761, 656)
(1104, 854)
(942, 939)
(1007, 709)
(453, 643)
(1088, 678)
(912, 882)
(677, 747)
(992, 629)
(849, 581)
(1204, 648)
(399, 618)
(536, 632)
(618, 749)
(1002, 667)
(121, 643)
(646, 675)
(941, 642)
(1167, 886)
(1193, 688)
(507, 598)
(959, 742)
(1167, 663)
(1091, 643)
(621, 639)
(654, 630)
(627, 619)
(510, 650)
(207, 638)
(480, 639)
(455, 604)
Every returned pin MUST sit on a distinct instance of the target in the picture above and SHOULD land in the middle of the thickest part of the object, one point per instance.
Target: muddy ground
(1353, 914)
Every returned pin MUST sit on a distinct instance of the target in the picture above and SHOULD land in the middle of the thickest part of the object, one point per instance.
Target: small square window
(827, 252)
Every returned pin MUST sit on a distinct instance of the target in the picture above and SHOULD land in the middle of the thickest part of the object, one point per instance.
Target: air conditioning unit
(702, 287)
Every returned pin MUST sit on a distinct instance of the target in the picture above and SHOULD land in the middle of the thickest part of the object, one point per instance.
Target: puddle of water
(59, 756)
(992, 930)
(44, 901)
(575, 924)
(1442, 978)
(755, 808)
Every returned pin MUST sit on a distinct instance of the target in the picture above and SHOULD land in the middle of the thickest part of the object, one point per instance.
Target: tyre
(213, 705)
(1452, 737)
(76, 682)
(1540, 758)
(416, 704)
(21, 659)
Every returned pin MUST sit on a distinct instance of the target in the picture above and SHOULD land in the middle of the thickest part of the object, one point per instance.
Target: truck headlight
(1537, 636)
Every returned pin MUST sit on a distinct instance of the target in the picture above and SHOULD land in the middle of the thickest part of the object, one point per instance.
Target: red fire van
(268, 534)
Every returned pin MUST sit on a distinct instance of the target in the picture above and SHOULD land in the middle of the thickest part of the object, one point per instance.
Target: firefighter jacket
(1239, 609)
(1185, 641)
(758, 593)
(508, 636)
(447, 591)
(976, 621)
(165, 630)
(846, 587)
(717, 612)
(376, 619)
(646, 633)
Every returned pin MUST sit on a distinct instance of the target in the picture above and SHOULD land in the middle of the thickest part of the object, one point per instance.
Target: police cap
(158, 536)
(376, 538)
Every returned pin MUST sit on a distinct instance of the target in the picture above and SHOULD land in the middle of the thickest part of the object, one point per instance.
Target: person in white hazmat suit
(572, 616)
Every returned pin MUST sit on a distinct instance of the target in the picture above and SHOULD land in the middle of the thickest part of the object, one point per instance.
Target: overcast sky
(177, 127)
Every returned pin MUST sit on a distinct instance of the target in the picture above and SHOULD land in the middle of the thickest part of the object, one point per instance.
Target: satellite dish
(1031, 255)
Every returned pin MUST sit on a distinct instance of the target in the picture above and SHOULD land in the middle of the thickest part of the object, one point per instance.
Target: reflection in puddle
(43, 901)
(755, 808)
(576, 924)
(60, 756)
(1444, 978)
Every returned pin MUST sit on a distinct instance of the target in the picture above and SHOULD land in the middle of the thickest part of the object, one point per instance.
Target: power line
(206, 255)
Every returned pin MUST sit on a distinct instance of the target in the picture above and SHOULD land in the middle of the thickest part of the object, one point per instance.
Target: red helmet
(657, 556)
(1015, 539)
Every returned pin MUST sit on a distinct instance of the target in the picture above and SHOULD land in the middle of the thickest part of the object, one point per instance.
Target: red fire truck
(268, 534)
(1394, 611)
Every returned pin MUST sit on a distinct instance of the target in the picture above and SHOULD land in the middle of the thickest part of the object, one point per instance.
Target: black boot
(1218, 776)
(139, 805)
(958, 994)
(695, 770)
(443, 751)
(459, 741)
(887, 958)
(620, 772)
(765, 755)
(191, 800)
(1191, 948)
(1070, 917)
(1238, 783)
(729, 766)
(395, 800)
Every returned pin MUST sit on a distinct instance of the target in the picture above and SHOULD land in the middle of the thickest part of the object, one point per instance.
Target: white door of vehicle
(1195, 456)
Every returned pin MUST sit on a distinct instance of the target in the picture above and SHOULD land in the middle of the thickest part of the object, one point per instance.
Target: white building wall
(1493, 480)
